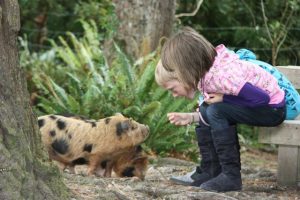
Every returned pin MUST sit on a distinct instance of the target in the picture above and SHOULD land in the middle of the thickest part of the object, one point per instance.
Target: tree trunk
(23, 171)
(142, 24)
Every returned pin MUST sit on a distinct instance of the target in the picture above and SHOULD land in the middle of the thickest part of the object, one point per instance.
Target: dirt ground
(258, 174)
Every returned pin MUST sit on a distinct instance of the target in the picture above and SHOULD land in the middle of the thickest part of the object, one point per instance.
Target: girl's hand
(180, 119)
(214, 98)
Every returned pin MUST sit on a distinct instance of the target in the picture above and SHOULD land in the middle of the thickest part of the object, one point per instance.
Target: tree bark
(142, 24)
(24, 174)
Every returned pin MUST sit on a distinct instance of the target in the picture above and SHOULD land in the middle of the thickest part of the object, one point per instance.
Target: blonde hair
(189, 55)
(162, 76)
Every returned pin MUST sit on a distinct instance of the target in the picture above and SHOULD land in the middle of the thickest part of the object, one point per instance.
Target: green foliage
(240, 24)
(102, 12)
(74, 77)
(52, 18)
(248, 135)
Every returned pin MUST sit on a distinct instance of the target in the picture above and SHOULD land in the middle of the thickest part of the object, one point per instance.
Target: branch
(190, 14)
(286, 26)
(265, 20)
(251, 13)
(280, 43)
(286, 6)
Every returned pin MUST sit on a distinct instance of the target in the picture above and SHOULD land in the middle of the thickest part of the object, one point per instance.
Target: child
(235, 91)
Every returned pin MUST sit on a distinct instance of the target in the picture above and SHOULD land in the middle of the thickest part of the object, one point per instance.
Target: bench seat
(287, 137)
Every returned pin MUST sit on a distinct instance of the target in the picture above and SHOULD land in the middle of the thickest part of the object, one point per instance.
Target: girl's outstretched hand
(180, 119)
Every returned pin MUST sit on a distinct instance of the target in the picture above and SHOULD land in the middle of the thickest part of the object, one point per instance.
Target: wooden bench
(287, 137)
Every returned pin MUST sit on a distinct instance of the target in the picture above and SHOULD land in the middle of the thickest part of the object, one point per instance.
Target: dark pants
(222, 118)
(222, 115)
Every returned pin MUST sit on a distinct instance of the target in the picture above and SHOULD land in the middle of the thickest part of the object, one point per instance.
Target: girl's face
(178, 90)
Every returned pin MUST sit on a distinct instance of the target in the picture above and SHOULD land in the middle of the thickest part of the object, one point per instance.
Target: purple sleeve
(250, 96)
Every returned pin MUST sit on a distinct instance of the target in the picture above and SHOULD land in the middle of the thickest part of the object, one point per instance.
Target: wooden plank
(288, 133)
(298, 168)
(288, 165)
(292, 73)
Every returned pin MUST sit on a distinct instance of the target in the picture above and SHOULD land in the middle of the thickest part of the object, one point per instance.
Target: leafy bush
(74, 77)
(50, 19)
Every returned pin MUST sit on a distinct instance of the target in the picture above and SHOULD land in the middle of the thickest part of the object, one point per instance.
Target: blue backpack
(292, 97)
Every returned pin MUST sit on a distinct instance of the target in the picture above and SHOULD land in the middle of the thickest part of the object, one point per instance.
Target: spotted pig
(72, 141)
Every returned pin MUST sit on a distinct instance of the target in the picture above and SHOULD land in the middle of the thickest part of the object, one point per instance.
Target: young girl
(235, 91)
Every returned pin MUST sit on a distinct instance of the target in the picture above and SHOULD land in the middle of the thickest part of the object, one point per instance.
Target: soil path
(258, 174)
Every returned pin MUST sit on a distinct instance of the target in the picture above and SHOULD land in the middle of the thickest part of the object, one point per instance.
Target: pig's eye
(133, 127)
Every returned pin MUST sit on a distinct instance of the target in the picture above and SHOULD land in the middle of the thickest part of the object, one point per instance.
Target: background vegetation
(61, 46)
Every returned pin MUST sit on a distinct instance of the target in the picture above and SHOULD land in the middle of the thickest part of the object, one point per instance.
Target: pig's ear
(141, 160)
(123, 127)
(119, 114)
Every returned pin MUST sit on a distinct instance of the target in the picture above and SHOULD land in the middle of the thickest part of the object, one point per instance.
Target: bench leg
(288, 165)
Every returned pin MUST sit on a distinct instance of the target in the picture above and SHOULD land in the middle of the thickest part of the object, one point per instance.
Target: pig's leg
(93, 164)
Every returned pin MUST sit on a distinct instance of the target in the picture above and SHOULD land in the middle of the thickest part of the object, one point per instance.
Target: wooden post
(288, 165)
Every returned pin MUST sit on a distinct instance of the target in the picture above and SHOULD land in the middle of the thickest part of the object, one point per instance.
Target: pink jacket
(229, 74)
